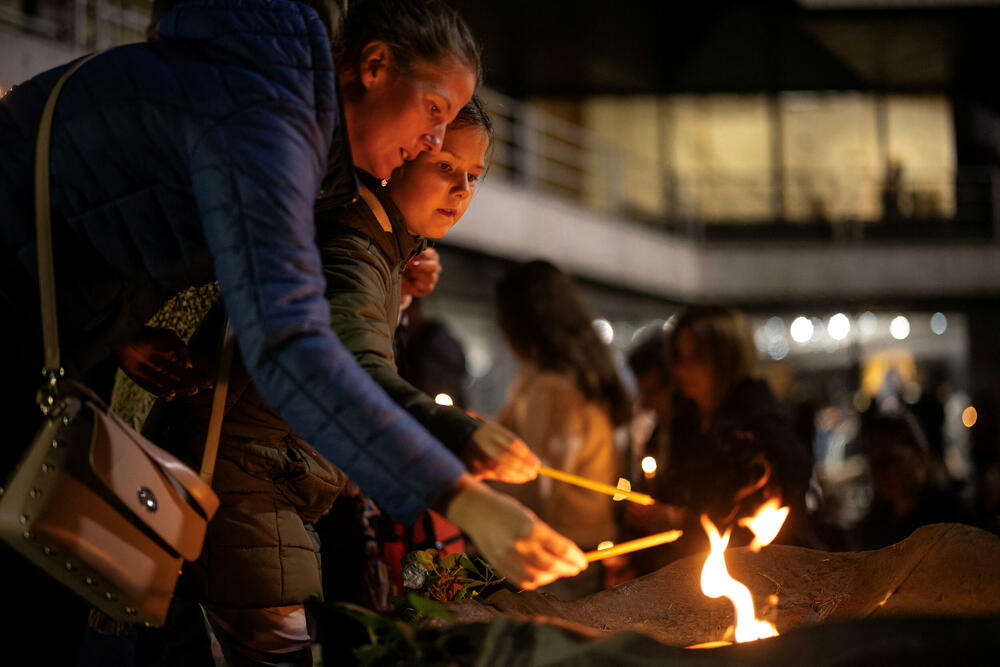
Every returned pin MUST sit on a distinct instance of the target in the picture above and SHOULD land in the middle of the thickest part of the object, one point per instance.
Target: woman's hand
(158, 361)
(515, 541)
(421, 275)
(495, 453)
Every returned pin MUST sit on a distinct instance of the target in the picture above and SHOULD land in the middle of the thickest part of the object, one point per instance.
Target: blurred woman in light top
(565, 403)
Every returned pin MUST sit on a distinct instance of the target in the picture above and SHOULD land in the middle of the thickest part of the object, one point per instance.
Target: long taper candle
(594, 485)
(633, 545)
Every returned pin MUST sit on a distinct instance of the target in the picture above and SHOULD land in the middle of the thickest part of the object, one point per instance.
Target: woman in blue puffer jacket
(200, 156)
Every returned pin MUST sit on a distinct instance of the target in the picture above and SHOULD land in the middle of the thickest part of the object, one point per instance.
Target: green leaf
(429, 608)
(450, 562)
(424, 558)
(467, 563)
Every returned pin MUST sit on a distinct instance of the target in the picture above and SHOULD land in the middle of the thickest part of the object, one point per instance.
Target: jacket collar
(399, 246)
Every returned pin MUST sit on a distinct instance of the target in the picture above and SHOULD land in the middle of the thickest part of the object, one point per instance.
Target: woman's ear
(376, 59)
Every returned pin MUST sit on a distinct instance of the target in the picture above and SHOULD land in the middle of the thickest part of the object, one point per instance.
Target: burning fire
(716, 581)
(765, 524)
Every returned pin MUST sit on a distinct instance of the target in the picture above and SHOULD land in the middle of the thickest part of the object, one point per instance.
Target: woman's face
(693, 373)
(433, 191)
(400, 114)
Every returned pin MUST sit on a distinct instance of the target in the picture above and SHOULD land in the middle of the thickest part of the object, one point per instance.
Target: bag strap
(47, 283)
(43, 232)
(218, 404)
(376, 206)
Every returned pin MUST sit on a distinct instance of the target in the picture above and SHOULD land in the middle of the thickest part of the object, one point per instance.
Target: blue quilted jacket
(200, 156)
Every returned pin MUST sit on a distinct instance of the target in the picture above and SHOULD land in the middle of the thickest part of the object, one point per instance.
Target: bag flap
(122, 460)
(198, 489)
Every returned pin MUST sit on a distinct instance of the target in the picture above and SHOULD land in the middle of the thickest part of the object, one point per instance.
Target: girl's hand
(158, 361)
(515, 541)
(421, 275)
(495, 453)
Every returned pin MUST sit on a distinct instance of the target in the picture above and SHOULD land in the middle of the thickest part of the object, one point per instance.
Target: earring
(385, 182)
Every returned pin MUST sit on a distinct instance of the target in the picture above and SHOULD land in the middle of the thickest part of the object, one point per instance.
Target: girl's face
(433, 191)
(693, 373)
(401, 114)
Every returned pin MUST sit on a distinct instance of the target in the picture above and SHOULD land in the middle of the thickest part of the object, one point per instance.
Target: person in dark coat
(907, 496)
(200, 156)
(732, 446)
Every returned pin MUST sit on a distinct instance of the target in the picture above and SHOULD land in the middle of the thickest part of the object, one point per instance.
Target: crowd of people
(301, 155)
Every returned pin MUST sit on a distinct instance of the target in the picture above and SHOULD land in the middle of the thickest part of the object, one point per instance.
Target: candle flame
(765, 524)
(717, 582)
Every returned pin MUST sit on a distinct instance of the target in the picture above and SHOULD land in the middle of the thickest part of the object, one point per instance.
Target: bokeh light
(969, 416)
(777, 347)
(648, 465)
(801, 329)
(775, 326)
(604, 330)
(443, 399)
(839, 326)
(899, 327)
(939, 323)
(868, 323)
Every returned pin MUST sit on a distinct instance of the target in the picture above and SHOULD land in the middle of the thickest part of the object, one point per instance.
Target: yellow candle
(593, 485)
(634, 545)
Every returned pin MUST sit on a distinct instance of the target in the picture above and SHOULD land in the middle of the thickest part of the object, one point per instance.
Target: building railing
(541, 151)
(544, 152)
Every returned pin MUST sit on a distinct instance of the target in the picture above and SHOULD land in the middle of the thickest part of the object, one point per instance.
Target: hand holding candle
(496, 453)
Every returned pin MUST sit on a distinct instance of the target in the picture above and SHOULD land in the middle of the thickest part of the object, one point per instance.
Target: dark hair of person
(884, 428)
(649, 353)
(546, 321)
(474, 114)
(415, 31)
(721, 337)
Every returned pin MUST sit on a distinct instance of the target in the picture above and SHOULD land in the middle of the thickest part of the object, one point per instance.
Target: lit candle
(633, 545)
(593, 485)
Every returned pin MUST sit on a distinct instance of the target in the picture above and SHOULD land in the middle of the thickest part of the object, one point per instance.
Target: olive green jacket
(363, 266)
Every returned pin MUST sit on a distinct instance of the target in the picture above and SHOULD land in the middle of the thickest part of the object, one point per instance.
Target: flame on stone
(716, 582)
(765, 524)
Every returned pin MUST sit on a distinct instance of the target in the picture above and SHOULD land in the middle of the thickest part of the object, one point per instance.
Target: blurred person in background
(654, 396)
(732, 447)
(655, 403)
(907, 495)
(430, 357)
(565, 403)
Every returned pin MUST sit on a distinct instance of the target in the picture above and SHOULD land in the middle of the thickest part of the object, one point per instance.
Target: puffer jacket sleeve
(357, 285)
(255, 177)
